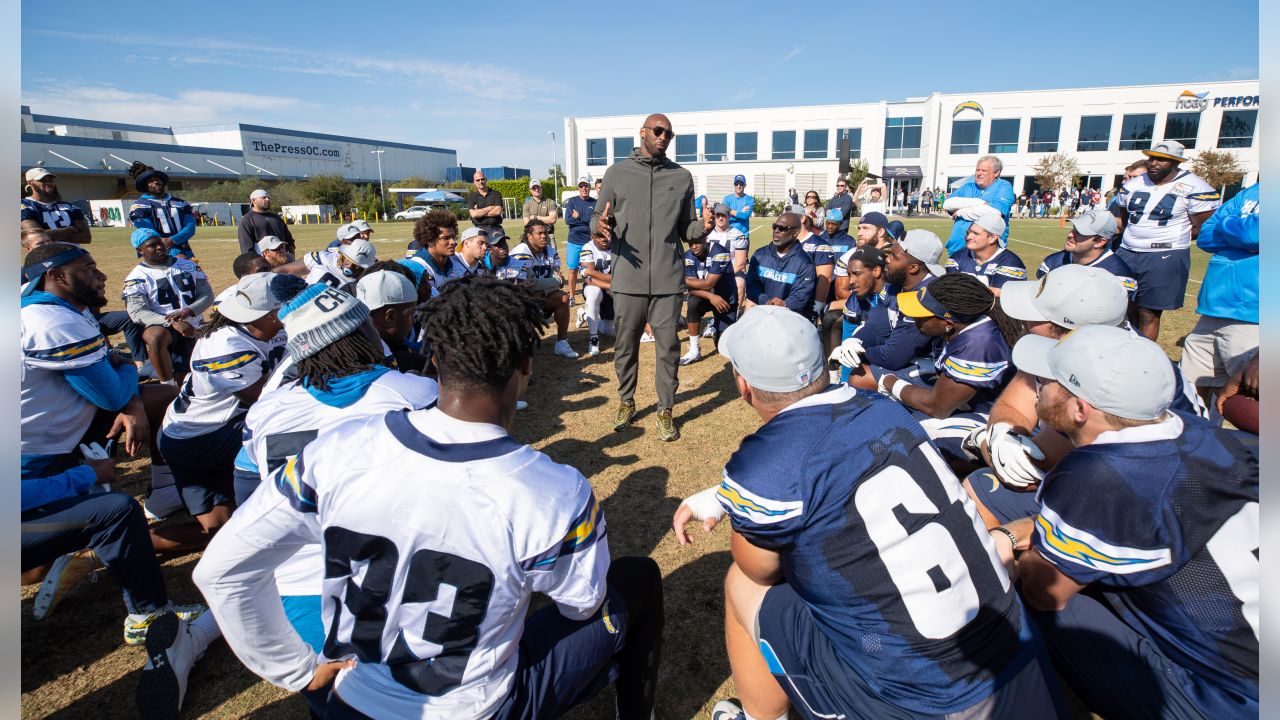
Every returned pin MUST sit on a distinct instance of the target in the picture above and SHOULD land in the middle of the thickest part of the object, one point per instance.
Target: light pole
(555, 175)
(382, 189)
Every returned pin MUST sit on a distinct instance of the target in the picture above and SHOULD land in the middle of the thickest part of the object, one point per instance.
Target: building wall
(936, 163)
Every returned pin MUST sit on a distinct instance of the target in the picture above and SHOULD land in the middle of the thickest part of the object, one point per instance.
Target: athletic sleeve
(236, 575)
(244, 235)
(140, 216)
(765, 503)
(1230, 227)
(572, 569)
(312, 260)
(26, 212)
(204, 295)
(842, 265)
(1119, 549)
(720, 264)
(1203, 198)
(900, 346)
(1010, 268)
(139, 308)
(62, 346)
(755, 290)
(188, 228)
(40, 491)
(690, 265)
(106, 387)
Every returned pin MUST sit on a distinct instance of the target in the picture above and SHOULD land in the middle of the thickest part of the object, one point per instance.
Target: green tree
(1218, 168)
(554, 174)
(1056, 171)
(858, 171)
(329, 190)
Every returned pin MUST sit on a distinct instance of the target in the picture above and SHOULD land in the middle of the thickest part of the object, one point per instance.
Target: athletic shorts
(820, 684)
(699, 307)
(304, 615)
(1216, 349)
(572, 254)
(1161, 276)
(203, 466)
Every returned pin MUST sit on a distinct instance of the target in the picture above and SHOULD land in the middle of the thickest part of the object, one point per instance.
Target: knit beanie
(319, 316)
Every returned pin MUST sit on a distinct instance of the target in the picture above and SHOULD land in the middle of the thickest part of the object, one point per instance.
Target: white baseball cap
(1098, 221)
(535, 184)
(472, 232)
(258, 193)
(38, 173)
(360, 252)
(584, 180)
(385, 287)
(1111, 368)
(270, 242)
(1169, 149)
(991, 221)
(346, 232)
(252, 299)
(925, 247)
(1071, 296)
(361, 226)
(774, 349)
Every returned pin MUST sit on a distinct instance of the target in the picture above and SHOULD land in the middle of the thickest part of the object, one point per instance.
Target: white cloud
(794, 52)
(186, 108)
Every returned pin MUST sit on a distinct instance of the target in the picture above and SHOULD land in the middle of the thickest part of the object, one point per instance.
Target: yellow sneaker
(66, 575)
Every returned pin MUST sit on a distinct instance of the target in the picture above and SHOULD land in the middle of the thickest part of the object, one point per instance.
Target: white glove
(1011, 456)
(818, 305)
(93, 451)
(704, 505)
(953, 204)
(924, 368)
(849, 354)
(971, 445)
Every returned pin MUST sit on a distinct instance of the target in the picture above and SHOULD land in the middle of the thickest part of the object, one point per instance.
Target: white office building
(935, 141)
(90, 156)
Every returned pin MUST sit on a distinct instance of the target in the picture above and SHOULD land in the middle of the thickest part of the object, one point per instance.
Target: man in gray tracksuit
(646, 206)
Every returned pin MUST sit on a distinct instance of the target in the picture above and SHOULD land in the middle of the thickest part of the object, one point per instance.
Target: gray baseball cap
(360, 252)
(1168, 149)
(991, 221)
(270, 242)
(774, 349)
(1070, 296)
(1111, 368)
(925, 247)
(1098, 221)
(384, 288)
(252, 299)
(721, 209)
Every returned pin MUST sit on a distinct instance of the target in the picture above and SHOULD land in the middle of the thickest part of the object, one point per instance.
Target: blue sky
(491, 87)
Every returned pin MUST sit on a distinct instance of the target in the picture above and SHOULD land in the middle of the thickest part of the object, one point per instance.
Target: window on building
(597, 152)
(964, 137)
(117, 135)
(784, 144)
(1004, 135)
(744, 146)
(715, 147)
(902, 137)
(1136, 131)
(1183, 127)
(815, 144)
(855, 142)
(1044, 135)
(622, 147)
(1095, 133)
(1237, 128)
(686, 148)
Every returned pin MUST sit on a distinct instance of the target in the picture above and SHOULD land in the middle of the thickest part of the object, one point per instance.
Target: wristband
(1013, 539)
(896, 390)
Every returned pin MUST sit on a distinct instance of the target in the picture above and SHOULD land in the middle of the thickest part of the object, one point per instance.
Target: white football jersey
(283, 421)
(1159, 215)
(436, 532)
(322, 267)
(596, 259)
(222, 364)
(733, 239)
(534, 265)
(168, 288)
(55, 339)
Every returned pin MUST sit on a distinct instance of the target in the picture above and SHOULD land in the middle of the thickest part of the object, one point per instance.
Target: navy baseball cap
(874, 218)
(895, 228)
(739, 179)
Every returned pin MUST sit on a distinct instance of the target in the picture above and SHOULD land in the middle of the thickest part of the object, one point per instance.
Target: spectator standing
(842, 201)
(740, 205)
(1226, 335)
(577, 215)
(543, 208)
(870, 196)
(986, 189)
(913, 202)
(485, 203)
(170, 217)
(926, 201)
(1164, 210)
(645, 207)
(260, 222)
(813, 209)
(45, 210)
(795, 197)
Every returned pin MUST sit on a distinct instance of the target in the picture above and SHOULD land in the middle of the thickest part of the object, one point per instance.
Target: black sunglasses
(660, 131)
(785, 228)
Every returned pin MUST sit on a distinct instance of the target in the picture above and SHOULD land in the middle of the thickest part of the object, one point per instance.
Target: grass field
(75, 664)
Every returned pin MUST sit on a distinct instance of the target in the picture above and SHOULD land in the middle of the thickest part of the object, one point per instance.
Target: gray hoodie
(652, 218)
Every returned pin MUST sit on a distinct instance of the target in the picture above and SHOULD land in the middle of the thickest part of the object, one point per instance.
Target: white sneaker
(727, 710)
(164, 498)
(582, 318)
(593, 346)
(65, 575)
(563, 350)
(521, 405)
(172, 650)
(691, 357)
(710, 332)
(647, 337)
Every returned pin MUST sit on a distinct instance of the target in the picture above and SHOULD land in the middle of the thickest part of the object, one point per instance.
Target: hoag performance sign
(294, 148)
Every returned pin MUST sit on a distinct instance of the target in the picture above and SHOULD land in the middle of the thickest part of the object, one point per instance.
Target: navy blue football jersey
(879, 539)
(834, 246)
(166, 215)
(719, 261)
(999, 269)
(1165, 519)
(51, 216)
(1108, 261)
(979, 357)
(890, 338)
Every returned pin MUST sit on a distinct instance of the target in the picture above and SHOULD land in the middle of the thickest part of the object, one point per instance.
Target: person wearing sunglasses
(740, 204)
(782, 273)
(646, 210)
(842, 201)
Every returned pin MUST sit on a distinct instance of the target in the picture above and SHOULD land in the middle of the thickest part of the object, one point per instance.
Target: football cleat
(65, 575)
(136, 630)
(647, 337)
(563, 350)
(593, 346)
(172, 650)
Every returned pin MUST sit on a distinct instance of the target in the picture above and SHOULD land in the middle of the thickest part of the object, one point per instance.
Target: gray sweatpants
(662, 312)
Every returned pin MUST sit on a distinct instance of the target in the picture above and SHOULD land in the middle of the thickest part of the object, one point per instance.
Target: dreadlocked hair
(481, 329)
(217, 321)
(426, 230)
(351, 354)
(964, 294)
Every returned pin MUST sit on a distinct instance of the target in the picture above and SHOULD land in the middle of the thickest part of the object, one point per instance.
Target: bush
(329, 190)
